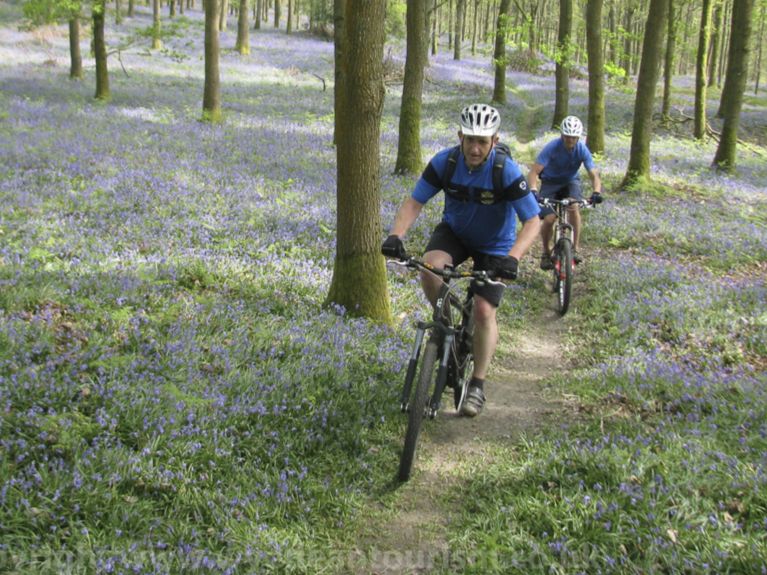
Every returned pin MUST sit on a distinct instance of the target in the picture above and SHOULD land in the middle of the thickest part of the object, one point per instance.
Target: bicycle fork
(447, 336)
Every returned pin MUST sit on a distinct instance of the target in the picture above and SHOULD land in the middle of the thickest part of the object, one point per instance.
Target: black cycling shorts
(551, 191)
(444, 239)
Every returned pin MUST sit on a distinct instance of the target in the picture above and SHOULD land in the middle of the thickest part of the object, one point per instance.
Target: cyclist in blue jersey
(479, 221)
(557, 165)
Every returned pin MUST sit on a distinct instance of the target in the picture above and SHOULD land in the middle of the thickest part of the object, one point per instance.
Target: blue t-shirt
(561, 166)
(487, 228)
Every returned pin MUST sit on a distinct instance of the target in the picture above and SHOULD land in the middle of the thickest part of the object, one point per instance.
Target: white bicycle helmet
(572, 126)
(480, 120)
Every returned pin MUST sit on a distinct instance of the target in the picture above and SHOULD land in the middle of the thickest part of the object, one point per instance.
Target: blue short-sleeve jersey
(487, 228)
(561, 166)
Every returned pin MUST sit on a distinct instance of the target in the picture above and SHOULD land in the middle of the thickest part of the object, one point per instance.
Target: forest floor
(408, 533)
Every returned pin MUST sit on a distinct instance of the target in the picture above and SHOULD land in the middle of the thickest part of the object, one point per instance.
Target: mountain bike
(562, 254)
(444, 347)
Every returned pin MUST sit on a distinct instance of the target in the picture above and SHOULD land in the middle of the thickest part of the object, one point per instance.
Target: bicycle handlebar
(551, 203)
(446, 273)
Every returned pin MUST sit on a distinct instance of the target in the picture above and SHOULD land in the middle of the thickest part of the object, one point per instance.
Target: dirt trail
(410, 536)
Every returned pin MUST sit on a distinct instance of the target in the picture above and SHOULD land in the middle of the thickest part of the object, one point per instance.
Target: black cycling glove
(394, 248)
(596, 198)
(507, 268)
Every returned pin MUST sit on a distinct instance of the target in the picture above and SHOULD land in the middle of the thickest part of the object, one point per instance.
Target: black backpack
(502, 151)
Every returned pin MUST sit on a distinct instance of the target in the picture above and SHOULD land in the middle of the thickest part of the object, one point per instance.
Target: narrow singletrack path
(408, 535)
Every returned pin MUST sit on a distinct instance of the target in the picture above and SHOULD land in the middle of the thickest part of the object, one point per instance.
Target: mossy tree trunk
(701, 68)
(339, 51)
(499, 54)
(359, 273)
(562, 71)
(100, 51)
(243, 37)
(668, 63)
(75, 58)
(458, 35)
(156, 26)
(735, 82)
(639, 159)
(211, 99)
(409, 159)
(595, 138)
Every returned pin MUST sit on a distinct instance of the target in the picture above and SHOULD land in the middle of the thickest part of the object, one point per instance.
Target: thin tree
(735, 82)
(459, 19)
(41, 12)
(649, 70)
(223, 16)
(760, 43)
(100, 51)
(409, 158)
(211, 99)
(668, 64)
(243, 38)
(276, 13)
(156, 26)
(359, 273)
(701, 68)
(716, 36)
(596, 123)
(499, 55)
(562, 70)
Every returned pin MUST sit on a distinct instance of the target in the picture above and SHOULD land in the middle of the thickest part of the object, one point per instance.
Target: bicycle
(562, 254)
(448, 349)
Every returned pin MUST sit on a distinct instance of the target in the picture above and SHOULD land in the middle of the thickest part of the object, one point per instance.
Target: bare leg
(575, 219)
(547, 230)
(485, 336)
(430, 283)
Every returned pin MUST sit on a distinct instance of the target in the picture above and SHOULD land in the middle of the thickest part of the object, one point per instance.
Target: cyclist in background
(479, 221)
(557, 165)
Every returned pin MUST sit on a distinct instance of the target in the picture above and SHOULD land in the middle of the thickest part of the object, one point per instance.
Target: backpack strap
(502, 152)
(461, 194)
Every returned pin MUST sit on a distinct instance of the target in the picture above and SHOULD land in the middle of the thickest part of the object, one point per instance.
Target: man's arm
(596, 181)
(533, 175)
(406, 215)
(526, 237)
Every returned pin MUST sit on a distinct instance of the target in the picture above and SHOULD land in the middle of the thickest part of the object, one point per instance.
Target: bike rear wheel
(417, 409)
(563, 270)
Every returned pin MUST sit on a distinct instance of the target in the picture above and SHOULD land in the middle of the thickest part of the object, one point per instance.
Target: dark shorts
(559, 192)
(444, 239)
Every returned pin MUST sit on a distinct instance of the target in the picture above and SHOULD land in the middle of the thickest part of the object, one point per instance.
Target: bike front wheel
(417, 410)
(563, 270)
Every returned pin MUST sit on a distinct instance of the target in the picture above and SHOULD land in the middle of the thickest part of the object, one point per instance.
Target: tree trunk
(276, 13)
(716, 37)
(639, 160)
(211, 100)
(76, 59)
(668, 66)
(562, 71)
(701, 67)
(243, 38)
(760, 43)
(359, 273)
(458, 29)
(223, 16)
(595, 138)
(257, 15)
(735, 82)
(131, 8)
(409, 159)
(118, 13)
(499, 55)
(289, 24)
(156, 26)
(100, 51)
(339, 53)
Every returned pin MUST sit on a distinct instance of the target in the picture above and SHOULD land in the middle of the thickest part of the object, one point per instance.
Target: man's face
(476, 148)
(570, 142)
